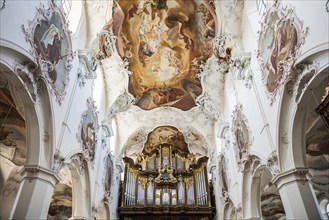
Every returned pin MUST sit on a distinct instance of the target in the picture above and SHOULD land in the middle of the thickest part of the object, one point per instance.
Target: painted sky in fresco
(165, 42)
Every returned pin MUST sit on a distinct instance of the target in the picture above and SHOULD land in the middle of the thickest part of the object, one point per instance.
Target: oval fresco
(280, 38)
(165, 42)
(50, 39)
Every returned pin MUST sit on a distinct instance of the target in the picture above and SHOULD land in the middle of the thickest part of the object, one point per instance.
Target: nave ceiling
(162, 62)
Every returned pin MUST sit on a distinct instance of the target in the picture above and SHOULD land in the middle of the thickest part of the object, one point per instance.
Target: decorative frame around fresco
(89, 116)
(239, 116)
(285, 65)
(53, 68)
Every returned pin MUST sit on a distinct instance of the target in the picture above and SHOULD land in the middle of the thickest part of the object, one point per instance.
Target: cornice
(31, 172)
(299, 174)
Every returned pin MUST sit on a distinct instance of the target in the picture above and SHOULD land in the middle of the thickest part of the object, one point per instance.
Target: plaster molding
(86, 69)
(231, 59)
(241, 135)
(286, 65)
(300, 78)
(225, 198)
(207, 107)
(249, 164)
(77, 161)
(121, 104)
(58, 161)
(107, 128)
(107, 47)
(291, 176)
(273, 165)
(34, 172)
(85, 118)
(30, 78)
(45, 66)
(223, 129)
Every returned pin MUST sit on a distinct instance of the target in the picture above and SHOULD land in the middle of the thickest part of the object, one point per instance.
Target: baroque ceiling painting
(12, 130)
(280, 38)
(50, 39)
(88, 130)
(165, 42)
(165, 135)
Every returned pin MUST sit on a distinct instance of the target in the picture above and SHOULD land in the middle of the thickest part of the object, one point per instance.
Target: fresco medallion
(280, 39)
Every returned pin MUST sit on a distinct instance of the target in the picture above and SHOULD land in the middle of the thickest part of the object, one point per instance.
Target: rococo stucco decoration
(3, 4)
(173, 39)
(50, 39)
(88, 129)
(241, 134)
(280, 38)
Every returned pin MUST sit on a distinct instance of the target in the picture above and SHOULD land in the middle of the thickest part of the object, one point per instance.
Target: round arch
(299, 98)
(17, 69)
(81, 191)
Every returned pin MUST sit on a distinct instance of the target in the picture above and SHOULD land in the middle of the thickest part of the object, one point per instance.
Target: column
(297, 194)
(34, 194)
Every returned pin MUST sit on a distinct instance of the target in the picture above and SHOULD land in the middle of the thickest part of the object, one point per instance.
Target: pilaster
(34, 194)
(297, 194)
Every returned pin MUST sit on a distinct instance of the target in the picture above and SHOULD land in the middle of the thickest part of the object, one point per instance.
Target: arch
(295, 102)
(103, 211)
(196, 143)
(324, 207)
(81, 192)
(250, 185)
(229, 211)
(265, 201)
(61, 203)
(30, 93)
(255, 191)
(17, 68)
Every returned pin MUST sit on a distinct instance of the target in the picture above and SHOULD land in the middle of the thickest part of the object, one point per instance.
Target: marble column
(297, 194)
(34, 194)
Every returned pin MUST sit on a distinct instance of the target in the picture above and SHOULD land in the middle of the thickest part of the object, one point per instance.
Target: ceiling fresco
(165, 135)
(165, 42)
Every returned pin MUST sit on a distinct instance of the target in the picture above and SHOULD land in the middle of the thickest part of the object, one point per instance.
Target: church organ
(167, 180)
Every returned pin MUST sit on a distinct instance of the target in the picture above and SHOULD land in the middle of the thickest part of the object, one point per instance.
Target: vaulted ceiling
(162, 69)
